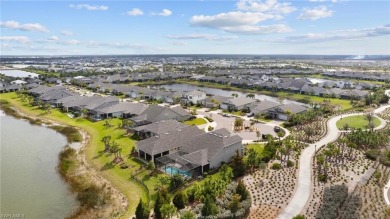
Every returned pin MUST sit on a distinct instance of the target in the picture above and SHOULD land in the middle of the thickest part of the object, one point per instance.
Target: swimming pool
(173, 170)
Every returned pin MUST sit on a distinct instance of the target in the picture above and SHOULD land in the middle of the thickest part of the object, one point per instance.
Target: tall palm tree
(106, 139)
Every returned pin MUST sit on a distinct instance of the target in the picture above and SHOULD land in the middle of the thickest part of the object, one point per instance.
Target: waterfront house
(155, 113)
(239, 103)
(284, 112)
(189, 150)
(262, 107)
(157, 128)
(193, 97)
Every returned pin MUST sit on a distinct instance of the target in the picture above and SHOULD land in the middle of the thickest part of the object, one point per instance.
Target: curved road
(304, 187)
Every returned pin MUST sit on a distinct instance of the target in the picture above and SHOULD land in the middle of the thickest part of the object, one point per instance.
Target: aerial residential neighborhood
(243, 109)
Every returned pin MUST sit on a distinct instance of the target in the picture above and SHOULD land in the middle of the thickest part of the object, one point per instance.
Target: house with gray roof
(121, 110)
(284, 112)
(155, 113)
(262, 107)
(37, 91)
(54, 95)
(214, 101)
(239, 103)
(166, 143)
(157, 128)
(189, 150)
(193, 97)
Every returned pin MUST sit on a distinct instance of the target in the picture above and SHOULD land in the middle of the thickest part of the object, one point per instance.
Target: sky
(317, 27)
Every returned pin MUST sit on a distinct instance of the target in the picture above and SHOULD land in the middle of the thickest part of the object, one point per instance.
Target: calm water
(18, 73)
(30, 184)
(220, 92)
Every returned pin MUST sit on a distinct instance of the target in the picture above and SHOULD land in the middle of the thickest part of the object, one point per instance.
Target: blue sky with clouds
(195, 27)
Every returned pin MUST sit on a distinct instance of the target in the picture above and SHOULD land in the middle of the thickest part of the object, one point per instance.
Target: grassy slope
(356, 122)
(197, 121)
(120, 178)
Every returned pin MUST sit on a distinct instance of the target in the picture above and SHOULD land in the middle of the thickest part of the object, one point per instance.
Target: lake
(220, 92)
(30, 183)
(18, 73)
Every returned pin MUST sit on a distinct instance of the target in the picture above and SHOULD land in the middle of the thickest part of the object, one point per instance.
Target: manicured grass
(120, 178)
(257, 147)
(356, 122)
(196, 121)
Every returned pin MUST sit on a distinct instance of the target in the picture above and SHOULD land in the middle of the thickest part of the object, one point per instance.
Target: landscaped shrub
(276, 166)
(210, 128)
(351, 207)
(176, 181)
(373, 154)
(333, 198)
(180, 200)
(385, 158)
(209, 119)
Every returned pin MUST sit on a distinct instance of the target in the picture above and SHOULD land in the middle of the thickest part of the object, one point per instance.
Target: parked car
(277, 129)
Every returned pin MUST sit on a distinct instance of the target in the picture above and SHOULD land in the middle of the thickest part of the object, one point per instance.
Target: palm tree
(106, 139)
(258, 134)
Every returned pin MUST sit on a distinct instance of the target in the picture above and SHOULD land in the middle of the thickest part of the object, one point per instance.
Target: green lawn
(356, 122)
(120, 178)
(196, 121)
(257, 147)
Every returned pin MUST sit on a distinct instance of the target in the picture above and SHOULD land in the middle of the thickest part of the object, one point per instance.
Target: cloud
(315, 13)
(240, 22)
(336, 35)
(178, 43)
(334, 1)
(200, 36)
(19, 39)
(24, 27)
(272, 6)
(67, 33)
(69, 42)
(248, 29)
(116, 45)
(90, 7)
(164, 13)
(135, 12)
(53, 38)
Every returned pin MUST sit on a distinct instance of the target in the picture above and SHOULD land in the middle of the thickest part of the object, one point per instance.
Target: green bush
(290, 163)
(373, 154)
(209, 119)
(276, 166)
(180, 200)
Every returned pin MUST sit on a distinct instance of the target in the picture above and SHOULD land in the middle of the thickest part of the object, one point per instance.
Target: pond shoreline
(83, 176)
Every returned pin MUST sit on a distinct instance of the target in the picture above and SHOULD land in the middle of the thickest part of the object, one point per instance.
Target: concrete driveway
(227, 122)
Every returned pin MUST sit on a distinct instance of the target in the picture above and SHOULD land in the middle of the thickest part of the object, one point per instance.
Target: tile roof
(161, 126)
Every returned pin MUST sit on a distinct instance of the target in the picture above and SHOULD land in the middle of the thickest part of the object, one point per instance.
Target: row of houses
(385, 77)
(340, 89)
(99, 107)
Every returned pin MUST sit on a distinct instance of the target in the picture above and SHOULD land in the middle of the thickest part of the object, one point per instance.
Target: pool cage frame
(176, 160)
